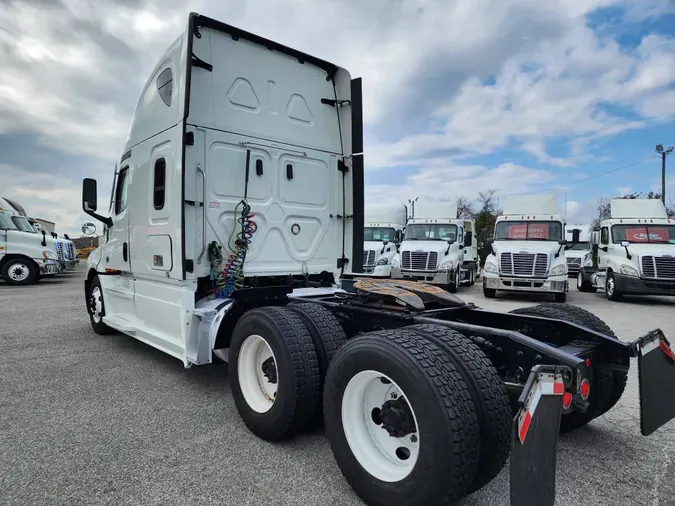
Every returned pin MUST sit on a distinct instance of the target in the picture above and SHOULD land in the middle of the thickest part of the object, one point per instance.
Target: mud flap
(535, 433)
(656, 370)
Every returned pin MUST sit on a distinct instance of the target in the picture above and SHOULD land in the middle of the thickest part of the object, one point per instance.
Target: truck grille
(419, 261)
(573, 261)
(369, 257)
(524, 264)
(658, 267)
(59, 251)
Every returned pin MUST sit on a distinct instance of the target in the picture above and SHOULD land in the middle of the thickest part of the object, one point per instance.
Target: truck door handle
(125, 255)
(289, 171)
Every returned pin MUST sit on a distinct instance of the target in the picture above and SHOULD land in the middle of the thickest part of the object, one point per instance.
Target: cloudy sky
(460, 95)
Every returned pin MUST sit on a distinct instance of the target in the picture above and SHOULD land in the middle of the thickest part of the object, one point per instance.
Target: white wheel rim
(579, 280)
(18, 272)
(97, 304)
(258, 375)
(610, 286)
(387, 458)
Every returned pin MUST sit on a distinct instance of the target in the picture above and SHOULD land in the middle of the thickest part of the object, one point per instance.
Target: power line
(594, 176)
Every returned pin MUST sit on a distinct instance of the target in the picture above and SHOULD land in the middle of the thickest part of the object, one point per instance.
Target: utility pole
(663, 153)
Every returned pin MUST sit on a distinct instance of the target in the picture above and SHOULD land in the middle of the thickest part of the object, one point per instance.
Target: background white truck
(383, 233)
(635, 251)
(527, 252)
(434, 246)
(24, 256)
(579, 254)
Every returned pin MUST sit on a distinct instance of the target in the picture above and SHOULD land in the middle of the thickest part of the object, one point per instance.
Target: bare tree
(465, 207)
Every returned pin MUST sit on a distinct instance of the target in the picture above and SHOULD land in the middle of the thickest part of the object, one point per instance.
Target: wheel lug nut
(393, 395)
(413, 438)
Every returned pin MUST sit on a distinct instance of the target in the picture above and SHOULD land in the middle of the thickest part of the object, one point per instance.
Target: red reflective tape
(524, 427)
(558, 388)
(666, 349)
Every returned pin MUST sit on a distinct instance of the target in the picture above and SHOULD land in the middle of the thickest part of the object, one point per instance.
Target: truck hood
(427, 246)
(29, 244)
(648, 249)
(376, 246)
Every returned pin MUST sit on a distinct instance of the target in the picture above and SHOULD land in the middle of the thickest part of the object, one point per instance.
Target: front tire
(400, 420)
(453, 287)
(610, 288)
(274, 372)
(489, 293)
(96, 308)
(560, 297)
(20, 272)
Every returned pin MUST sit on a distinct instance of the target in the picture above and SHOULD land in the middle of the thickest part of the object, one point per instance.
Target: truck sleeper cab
(528, 249)
(214, 247)
(635, 251)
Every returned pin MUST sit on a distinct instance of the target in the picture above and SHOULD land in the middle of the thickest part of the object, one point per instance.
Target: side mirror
(625, 244)
(89, 228)
(595, 238)
(488, 245)
(562, 242)
(575, 235)
(89, 195)
(468, 239)
(89, 201)
(483, 236)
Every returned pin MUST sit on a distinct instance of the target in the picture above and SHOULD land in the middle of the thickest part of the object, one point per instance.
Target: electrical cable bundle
(228, 276)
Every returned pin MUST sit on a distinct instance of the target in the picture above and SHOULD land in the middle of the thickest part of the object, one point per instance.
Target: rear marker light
(567, 400)
(588, 362)
(585, 389)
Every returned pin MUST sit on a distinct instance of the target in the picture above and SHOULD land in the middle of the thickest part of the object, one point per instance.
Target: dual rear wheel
(416, 415)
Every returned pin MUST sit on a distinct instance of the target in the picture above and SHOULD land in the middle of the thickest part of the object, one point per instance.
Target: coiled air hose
(228, 276)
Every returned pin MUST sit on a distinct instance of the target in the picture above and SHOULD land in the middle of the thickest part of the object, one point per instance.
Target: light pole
(663, 153)
(412, 206)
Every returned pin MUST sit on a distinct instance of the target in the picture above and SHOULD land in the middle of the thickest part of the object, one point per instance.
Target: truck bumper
(434, 278)
(639, 286)
(383, 271)
(552, 284)
(49, 267)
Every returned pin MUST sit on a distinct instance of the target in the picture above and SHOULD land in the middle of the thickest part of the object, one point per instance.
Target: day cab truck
(527, 252)
(433, 247)
(635, 251)
(579, 254)
(25, 256)
(382, 234)
(215, 248)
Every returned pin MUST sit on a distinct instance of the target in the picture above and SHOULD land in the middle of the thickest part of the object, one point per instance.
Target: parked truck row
(27, 251)
(236, 230)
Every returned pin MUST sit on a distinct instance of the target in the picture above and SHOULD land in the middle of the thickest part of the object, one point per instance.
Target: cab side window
(121, 191)
(604, 235)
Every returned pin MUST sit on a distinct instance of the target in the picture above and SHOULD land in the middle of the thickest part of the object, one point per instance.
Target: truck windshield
(6, 223)
(581, 246)
(431, 232)
(660, 234)
(528, 231)
(22, 224)
(378, 234)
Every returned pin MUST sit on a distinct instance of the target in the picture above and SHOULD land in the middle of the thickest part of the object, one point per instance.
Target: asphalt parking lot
(87, 419)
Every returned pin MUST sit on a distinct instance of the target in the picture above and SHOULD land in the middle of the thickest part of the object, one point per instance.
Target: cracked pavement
(109, 420)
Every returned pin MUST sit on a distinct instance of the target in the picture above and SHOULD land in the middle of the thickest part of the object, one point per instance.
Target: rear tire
(434, 460)
(328, 337)
(584, 285)
(274, 372)
(608, 386)
(488, 394)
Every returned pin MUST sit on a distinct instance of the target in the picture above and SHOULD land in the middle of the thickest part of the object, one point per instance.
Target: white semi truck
(25, 256)
(580, 253)
(527, 251)
(635, 251)
(383, 233)
(434, 245)
(236, 231)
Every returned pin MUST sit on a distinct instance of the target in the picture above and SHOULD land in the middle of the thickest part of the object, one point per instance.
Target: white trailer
(383, 233)
(434, 246)
(236, 229)
(580, 253)
(527, 249)
(635, 251)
